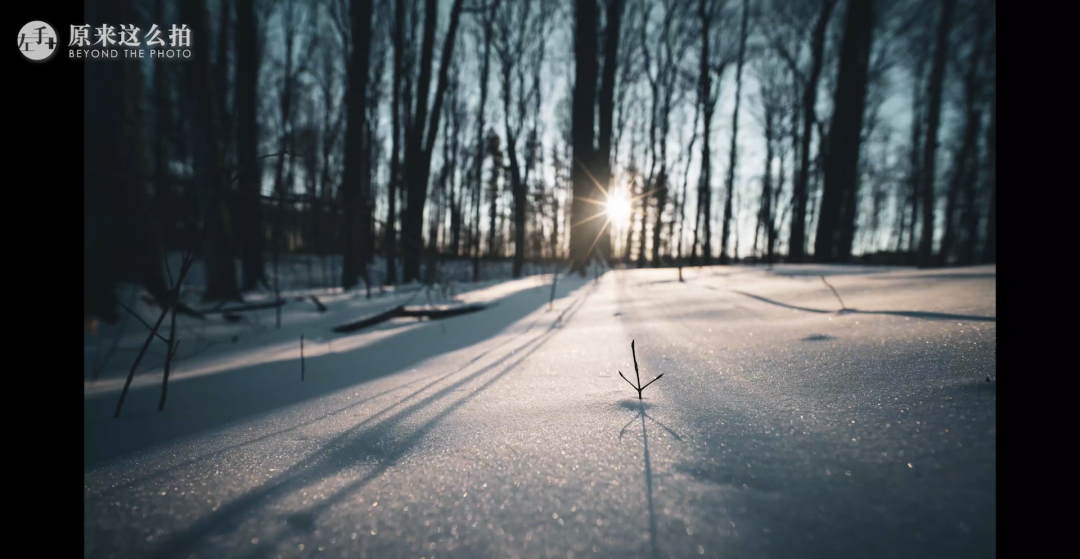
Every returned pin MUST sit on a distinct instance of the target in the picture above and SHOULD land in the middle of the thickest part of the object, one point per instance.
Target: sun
(617, 208)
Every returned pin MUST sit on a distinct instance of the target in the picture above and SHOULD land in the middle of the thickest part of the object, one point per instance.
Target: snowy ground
(781, 427)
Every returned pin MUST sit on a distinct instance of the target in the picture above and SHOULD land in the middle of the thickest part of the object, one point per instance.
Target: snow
(257, 339)
(781, 427)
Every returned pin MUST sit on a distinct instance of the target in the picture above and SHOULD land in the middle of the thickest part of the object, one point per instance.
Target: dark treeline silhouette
(394, 136)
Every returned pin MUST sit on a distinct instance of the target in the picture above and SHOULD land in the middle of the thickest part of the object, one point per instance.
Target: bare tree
(661, 75)
(221, 76)
(961, 215)
(252, 238)
(918, 56)
(439, 188)
(457, 121)
(399, 119)
(937, 79)
(583, 213)
(423, 131)
(989, 254)
(841, 172)
(612, 31)
(688, 157)
(771, 87)
(809, 80)
(221, 281)
(707, 97)
(729, 187)
(353, 195)
(487, 17)
(517, 34)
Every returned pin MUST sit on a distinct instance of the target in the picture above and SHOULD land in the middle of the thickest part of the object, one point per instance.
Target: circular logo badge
(37, 41)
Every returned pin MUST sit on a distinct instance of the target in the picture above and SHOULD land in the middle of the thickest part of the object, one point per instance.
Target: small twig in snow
(170, 351)
(842, 306)
(189, 259)
(554, 284)
(637, 386)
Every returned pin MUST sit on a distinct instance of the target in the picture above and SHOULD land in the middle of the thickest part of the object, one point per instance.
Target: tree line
(399, 134)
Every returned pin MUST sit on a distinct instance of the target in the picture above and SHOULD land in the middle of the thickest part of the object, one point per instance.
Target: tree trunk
(916, 138)
(418, 146)
(969, 217)
(220, 269)
(729, 187)
(704, 198)
(519, 194)
(478, 169)
(165, 191)
(436, 217)
(119, 240)
(455, 164)
(964, 174)
(554, 239)
(636, 218)
(397, 129)
(989, 255)
(585, 56)
(797, 239)
(836, 220)
(493, 194)
(934, 93)
(221, 77)
(355, 152)
(765, 217)
(685, 183)
(518, 189)
(661, 202)
(252, 238)
(613, 15)
(455, 207)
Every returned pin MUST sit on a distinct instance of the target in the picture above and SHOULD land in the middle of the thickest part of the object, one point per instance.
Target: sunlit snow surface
(781, 428)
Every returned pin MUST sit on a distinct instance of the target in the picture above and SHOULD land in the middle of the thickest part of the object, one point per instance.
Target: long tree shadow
(158, 473)
(810, 270)
(925, 315)
(374, 445)
(940, 276)
(640, 407)
(242, 392)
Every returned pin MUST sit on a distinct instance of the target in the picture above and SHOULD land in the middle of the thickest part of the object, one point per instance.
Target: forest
(379, 142)
(369, 278)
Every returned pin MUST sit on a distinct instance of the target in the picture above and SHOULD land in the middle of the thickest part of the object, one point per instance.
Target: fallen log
(402, 311)
(370, 321)
(436, 314)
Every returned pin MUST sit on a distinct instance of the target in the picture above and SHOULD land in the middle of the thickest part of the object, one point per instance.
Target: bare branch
(144, 323)
(652, 381)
